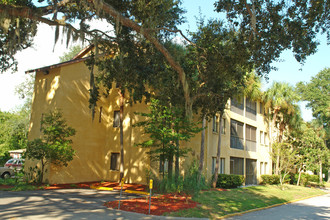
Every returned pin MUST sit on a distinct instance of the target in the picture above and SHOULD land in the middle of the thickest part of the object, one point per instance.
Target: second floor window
(236, 134)
(215, 124)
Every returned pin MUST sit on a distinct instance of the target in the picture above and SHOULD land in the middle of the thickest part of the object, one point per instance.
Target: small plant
(228, 181)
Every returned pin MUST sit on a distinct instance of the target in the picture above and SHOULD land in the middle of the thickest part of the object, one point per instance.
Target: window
(215, 124)
(236, 134)
(266, 167)
(116, 119)
(251, 109)
(223, 131)
(222, 165)
(115, 161)
(266, 141)
(250, 138)
(261, 108)
(262, 138)
(237, 105)
(236, 166)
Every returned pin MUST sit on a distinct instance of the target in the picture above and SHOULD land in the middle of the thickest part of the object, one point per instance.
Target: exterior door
(251, 172)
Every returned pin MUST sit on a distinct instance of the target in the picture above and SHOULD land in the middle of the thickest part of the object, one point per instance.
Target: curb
(101, 188)
(137, 192)
(267, 207)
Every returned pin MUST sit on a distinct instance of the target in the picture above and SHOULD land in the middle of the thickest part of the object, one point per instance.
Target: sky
(42, 54)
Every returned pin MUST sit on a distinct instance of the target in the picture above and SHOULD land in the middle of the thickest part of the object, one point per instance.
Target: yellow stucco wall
(67, 88)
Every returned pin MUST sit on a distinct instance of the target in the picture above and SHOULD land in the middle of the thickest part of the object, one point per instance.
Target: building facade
(65, 86)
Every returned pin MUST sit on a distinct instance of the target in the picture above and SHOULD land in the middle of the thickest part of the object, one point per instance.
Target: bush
(270, 179)
(188, 184)
(229, 181)
(305, 179)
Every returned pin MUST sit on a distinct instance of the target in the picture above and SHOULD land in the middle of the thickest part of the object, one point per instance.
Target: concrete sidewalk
(65, 204)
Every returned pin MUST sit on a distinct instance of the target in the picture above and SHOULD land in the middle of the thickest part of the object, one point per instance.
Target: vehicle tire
(5, 175)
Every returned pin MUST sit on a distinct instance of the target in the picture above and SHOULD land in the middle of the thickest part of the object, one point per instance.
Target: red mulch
(114, 185)
(5, 187)
(159, 205)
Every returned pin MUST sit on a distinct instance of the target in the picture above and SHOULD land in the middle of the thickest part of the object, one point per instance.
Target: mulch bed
(159, 204)
(114, 185)
(6, 187)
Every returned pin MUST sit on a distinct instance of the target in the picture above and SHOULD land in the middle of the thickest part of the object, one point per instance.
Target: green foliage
(270, 27)
(316, 93)
(306, 179)
(55, 145)
(4, 158)
(13, 130)
(188, 183)
(229, 181)
(167, 127)
(286, 156)
(73, 51)
(270, 179)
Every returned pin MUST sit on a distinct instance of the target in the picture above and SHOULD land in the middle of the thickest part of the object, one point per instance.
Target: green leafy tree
(264, 28)
(55, 145)
(284, 154)
(312, 152)
(166, 126)
(73, 51)
(317, 94)
(281, 107)
(13, 131)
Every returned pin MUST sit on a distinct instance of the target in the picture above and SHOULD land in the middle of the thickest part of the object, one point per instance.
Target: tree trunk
(217, 165)
(278, 153)
(170, 167)
(201, 159)
(41, 177)
(177, 161)
(300, 171)
(121, 168)
(321, 174)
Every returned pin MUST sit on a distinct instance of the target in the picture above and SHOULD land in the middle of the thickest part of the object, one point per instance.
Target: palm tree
(281, 101)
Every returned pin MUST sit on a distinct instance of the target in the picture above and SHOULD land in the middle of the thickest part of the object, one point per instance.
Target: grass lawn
(215, 204)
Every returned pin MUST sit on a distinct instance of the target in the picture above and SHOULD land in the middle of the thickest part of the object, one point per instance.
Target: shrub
(188, 184)
(305, 179)
(270, 179)
(229, 181)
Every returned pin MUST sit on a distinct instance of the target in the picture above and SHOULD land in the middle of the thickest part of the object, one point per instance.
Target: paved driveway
(64, 204)
(316, 208)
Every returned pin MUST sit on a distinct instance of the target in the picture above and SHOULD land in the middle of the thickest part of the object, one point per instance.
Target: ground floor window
(265, 167)
(222, 165)
(237, 165)
(115, 161)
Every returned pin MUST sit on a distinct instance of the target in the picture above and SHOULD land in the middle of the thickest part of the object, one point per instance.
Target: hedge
(270, 179)
(229, 181)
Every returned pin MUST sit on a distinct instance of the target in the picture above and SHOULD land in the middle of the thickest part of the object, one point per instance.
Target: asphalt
(316, 208)
(65, 204)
